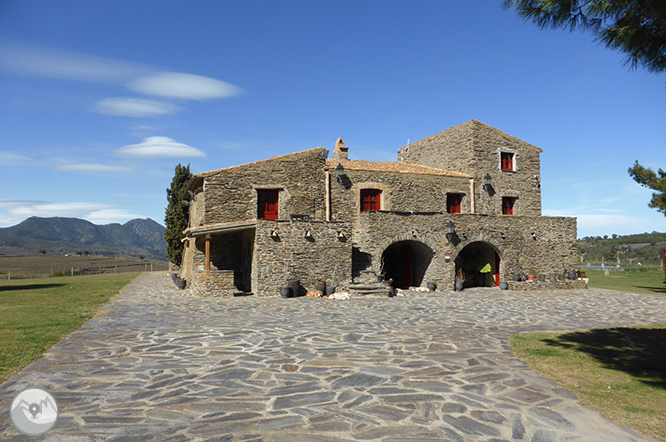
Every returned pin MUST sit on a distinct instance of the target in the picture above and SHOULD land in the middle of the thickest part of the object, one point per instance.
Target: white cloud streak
(19, 210)
(108, 216)
(56, 209)
(183, 86)
(159, 147)
(92, 168)
(135, 107)
(13, 159)
(39, 61)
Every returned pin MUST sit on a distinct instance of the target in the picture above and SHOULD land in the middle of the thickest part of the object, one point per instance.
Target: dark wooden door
(268, 204)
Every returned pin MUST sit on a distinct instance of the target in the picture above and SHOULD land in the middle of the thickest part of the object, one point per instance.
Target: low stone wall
(217, 283)
(577, 284)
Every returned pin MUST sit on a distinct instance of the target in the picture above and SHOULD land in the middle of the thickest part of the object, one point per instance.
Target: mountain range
(58, 236)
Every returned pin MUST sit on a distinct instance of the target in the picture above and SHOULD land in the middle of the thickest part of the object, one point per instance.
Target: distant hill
(70, 235)
(645, 248)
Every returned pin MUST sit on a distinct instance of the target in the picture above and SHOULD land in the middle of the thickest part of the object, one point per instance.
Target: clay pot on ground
(286, 292)
(504, 285)
(431, 286)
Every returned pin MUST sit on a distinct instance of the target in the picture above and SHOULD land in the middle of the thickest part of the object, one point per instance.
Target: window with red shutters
(370, 200)
(507, 205)
(507, 159)
(453, 202)
(267, 203)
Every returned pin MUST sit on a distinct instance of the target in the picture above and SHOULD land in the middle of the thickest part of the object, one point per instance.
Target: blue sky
(99, 100)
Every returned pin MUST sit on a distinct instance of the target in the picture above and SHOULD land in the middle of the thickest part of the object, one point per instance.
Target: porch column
(208, 253)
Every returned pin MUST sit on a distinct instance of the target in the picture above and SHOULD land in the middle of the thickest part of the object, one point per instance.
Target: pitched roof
(391, 166)
(203, 174)
(474, 126)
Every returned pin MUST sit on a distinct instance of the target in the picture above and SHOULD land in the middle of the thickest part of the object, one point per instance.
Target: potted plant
(481, 278)
(432, 286)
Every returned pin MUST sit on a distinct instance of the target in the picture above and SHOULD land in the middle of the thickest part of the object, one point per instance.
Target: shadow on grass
(641, 352)
(6, 288)
(654, 289)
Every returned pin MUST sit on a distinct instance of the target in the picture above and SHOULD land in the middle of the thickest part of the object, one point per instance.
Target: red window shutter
(507, 205)
(370, 200)
(453, 202)
(507, 162)
(267, 204)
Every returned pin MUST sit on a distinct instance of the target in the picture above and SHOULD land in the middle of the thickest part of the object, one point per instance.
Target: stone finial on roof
(340, 152)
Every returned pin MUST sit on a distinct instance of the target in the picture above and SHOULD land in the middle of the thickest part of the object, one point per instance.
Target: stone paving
(162, 365)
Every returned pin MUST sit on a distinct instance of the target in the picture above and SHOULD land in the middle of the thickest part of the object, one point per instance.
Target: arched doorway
(480, 264)
(406, 263)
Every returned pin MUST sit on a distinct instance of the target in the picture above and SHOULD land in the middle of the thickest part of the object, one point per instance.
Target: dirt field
(16, 267)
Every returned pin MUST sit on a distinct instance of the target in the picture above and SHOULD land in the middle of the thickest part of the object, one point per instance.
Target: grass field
(646, 281)
(19, 267)
(36, 313)
(619, 372)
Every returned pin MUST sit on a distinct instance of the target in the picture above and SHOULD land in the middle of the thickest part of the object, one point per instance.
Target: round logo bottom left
(34, 411)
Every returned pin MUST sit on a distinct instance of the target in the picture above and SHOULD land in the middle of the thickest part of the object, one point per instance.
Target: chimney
(340, 152)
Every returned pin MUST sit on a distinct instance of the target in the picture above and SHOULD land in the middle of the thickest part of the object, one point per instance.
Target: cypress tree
(177, 214)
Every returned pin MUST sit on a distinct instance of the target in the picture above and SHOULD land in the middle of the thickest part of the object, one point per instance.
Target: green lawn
(648, 281)
(619, 372)
(36, 313)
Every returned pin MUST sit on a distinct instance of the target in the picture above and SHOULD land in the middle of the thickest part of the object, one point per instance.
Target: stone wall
(545, 244)
(474, 149)
(231, 194)
(405, 192)
(218, 283)
(290, 254)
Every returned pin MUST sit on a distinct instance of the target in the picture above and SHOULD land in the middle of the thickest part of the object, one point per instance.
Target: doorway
(406, 263)
(480, 263)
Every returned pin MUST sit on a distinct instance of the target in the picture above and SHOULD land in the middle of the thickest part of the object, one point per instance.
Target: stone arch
(473, 258)
(406, 262)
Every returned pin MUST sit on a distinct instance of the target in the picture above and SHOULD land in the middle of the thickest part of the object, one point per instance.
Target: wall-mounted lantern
(538, 183)
(486, 182)
(341, 235)
(450, 230)
(308, 235)
(339, 172)
(274, 234)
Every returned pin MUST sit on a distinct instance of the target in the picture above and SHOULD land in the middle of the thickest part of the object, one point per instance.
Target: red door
(268, 204)
(497, 272)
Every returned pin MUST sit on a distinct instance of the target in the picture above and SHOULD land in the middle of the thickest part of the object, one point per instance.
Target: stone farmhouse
(466, 202)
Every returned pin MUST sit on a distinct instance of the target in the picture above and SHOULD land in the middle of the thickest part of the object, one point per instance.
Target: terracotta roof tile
(391, 166)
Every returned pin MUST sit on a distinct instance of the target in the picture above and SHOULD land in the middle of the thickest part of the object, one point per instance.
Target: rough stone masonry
(464, 204)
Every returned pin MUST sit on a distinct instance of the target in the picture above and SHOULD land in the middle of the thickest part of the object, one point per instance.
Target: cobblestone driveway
(163, 366)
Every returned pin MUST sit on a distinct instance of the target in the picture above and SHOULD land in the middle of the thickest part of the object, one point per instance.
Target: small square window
(507, 205)
(454, 202)
(508, 162)
(267, 203)
(370, 200)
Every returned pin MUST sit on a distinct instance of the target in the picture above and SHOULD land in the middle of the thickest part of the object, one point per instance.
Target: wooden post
(208, 253)
(327, 195)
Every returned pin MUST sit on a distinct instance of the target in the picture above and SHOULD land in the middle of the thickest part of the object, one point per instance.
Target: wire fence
(21, 267)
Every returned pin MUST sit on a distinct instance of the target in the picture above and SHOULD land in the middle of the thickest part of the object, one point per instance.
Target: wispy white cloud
(108, 216)
(15, 211)
(159, 147)
(135, 107)
(92, 168)
(8, 204)
(13, 159)
(46, 62)
(183, 86)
